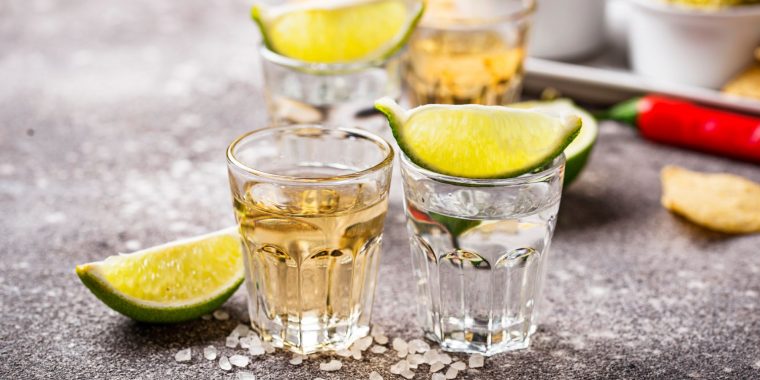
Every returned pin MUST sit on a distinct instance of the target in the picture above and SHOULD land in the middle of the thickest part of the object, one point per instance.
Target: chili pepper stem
(627, 111)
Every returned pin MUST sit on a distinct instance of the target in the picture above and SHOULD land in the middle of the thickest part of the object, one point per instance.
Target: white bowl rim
(752, 10)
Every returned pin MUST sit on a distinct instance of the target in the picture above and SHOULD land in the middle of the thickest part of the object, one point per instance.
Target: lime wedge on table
(579, 150)
(174, 282)
(475, 141)
(337, 30)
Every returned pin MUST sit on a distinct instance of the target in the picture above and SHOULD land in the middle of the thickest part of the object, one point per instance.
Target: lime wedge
(338, 31)
(579, 150)
(475, 141)
(174, 282)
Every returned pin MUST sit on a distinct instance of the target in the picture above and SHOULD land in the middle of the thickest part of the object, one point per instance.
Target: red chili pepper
(680, 123)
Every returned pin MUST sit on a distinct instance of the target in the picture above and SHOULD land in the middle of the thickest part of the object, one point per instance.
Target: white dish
(692, 46)
(567, 29)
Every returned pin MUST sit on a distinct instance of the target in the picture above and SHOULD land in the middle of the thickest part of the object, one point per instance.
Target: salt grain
(256, 350)
(414, 360)
(452, 373)
(444, 358)
(239, 360)
(408, 374)
(245, 342)
(332, 365)
(437, 366)
(183, 355)
(375, 376)
(206, 317)
(241, 330)
(245, 375)
(417, 345)
(363, 343)
(430, 357)
(209, 353)
(221, 315)
(476, 361)
(399, 367)
(224, 363)
(268, 347)
(400, 344)
(438, 376)
(381, 339)
(344, 353)
(459, 366)
(378, 349)
(297, 359)
(231, 342)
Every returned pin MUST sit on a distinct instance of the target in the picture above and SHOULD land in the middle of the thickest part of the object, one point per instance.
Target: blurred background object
(692, 46)
(567, 29)
(468, 52)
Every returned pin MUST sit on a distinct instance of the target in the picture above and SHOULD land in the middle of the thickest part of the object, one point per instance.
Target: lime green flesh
(174, 282)
(474, 141)
(345, 33)
(579, 150)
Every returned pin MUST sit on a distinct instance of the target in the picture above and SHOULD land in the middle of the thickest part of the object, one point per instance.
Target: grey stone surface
(114, 116)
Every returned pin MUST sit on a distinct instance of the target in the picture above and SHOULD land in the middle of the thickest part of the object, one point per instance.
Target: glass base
(484, 344)
(311, 337)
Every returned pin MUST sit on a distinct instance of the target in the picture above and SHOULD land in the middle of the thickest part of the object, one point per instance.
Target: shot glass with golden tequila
(310, 202)
(468, 52)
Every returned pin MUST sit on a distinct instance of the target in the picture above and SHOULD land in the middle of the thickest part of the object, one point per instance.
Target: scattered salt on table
(332, 365)
(183, 355)
(476, 361)
(221, 315)
(239, 360)
(209, 353)
(224, 363)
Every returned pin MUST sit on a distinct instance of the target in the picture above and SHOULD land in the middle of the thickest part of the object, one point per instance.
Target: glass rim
(324, 68)
(547, 171)
(383, 146)
(528, 8)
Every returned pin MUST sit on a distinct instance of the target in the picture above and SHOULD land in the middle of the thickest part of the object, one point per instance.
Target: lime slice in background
(338, 30)
(475, 141)
(579, 150)
(174, 282)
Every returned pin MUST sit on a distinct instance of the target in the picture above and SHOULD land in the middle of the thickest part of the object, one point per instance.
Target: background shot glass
(468, 52)
(479, 254)
(332, 94)
(310, 203)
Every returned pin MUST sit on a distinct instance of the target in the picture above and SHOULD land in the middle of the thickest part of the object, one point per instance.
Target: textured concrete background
(114, 116)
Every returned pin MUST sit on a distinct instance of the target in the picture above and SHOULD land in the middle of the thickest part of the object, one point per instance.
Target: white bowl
(567, 29)
(692, 46)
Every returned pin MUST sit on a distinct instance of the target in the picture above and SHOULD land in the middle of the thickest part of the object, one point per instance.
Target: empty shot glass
(479, 254)
(310, 203)
(331, 94)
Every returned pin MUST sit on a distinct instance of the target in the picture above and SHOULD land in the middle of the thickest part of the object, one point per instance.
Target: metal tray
(605, 80)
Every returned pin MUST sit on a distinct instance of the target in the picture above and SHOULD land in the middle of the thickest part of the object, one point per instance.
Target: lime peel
(338, 31)
(477, 141)
(579, 151)
(117, 280)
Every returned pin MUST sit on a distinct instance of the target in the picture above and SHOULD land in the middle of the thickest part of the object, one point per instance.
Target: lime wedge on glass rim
(336, 31)
(579, 150)
(173, 282)
(475, 141)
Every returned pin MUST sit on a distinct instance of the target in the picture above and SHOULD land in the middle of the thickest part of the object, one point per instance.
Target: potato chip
(718, 201)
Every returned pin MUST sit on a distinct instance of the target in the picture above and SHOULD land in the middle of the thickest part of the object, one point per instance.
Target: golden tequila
(311, 256)
(456, 57)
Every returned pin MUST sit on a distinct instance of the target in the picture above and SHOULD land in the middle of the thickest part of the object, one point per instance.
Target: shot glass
(479, 254)
(331, 94)
(468, 52)
(310, 203)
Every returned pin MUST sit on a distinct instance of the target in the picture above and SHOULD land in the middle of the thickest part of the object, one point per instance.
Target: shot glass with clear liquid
(330, 94)
(468, 52)
(310, 203)
(479, 254)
